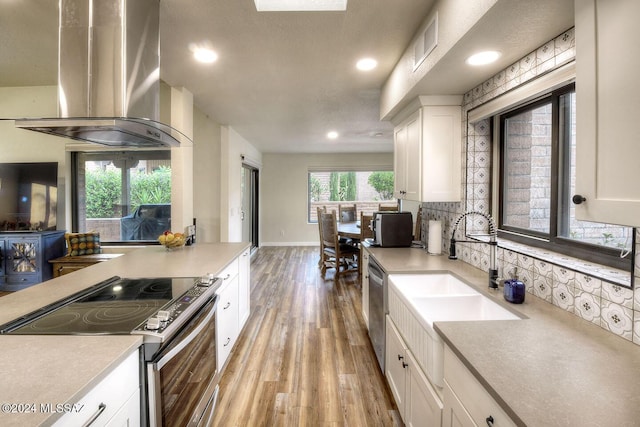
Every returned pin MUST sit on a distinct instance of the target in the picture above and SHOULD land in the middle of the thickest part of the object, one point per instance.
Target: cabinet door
(129, 414)
(423, 407)
(23, 256)
(226, 320)
(407, 149)
(244, 288)
(441, 153)
(454, 414)
(399, 161)
(608, 101)
(396, 365)
(472, 395)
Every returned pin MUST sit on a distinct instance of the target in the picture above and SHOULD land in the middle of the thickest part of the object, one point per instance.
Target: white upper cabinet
(427, 150)
(608, 103)
(407, 149)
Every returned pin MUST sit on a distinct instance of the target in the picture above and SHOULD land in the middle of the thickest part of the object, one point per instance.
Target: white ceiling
(284, 79)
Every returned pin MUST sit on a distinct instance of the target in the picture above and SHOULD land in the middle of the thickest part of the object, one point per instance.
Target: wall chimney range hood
(109, 76)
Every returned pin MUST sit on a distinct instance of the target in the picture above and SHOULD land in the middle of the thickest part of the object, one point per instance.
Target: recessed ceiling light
(366, 64)
(332, 135)
(299, 5)
(205, 55)
(483, 58)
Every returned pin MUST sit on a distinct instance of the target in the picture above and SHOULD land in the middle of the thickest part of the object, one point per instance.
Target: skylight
(299, 5)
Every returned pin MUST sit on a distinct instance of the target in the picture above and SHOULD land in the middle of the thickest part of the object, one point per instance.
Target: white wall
(206, 177)
(284, 192)
(19, 145)
(233, 147)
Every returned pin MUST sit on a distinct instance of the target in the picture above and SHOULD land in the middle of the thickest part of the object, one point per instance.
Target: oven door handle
(166, 358)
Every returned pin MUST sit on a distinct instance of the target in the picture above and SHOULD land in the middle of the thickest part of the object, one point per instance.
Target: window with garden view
(126, 196)
(366, 189)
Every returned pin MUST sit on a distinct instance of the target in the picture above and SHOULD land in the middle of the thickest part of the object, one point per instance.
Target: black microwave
(392, 229)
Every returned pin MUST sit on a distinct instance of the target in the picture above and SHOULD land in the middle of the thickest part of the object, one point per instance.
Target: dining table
(349, 229)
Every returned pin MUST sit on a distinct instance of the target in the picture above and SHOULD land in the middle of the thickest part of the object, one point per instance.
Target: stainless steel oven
(181, 377)
(176, 318)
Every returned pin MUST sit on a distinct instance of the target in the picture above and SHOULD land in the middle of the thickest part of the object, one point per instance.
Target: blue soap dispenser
(514, 289)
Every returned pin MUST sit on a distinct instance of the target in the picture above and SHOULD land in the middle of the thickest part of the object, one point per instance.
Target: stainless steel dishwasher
(377, 309)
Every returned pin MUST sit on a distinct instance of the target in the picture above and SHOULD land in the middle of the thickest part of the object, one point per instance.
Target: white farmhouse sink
(416, 301)
(459, 308)
(423, 285)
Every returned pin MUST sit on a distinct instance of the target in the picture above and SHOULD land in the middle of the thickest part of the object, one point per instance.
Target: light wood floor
(304, 357)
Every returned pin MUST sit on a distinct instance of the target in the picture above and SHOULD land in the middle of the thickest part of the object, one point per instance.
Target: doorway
(249, 213)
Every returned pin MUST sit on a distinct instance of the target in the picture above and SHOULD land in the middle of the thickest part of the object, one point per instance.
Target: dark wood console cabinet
(24, 257)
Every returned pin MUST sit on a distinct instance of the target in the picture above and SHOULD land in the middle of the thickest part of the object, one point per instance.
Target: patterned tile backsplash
(598, 294)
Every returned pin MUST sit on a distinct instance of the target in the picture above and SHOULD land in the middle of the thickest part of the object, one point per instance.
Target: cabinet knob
(404, 364)
(490, 421)
(578, 199)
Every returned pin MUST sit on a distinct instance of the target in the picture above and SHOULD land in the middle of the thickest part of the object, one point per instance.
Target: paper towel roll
(434, 244)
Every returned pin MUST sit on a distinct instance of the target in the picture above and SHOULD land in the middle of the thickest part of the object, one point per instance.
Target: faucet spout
(493, 245)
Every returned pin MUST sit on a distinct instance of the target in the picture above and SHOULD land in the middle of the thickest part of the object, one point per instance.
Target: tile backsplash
(590, 291)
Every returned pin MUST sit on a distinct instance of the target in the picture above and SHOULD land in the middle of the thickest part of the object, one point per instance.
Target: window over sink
(537, 180)
(126, 196)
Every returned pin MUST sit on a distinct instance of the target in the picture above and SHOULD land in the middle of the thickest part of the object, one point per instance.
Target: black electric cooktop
(115, 306)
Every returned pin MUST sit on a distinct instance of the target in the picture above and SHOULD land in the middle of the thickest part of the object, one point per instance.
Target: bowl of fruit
(172, 240)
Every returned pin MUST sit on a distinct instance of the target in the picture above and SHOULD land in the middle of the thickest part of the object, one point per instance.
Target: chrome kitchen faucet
(493, 244)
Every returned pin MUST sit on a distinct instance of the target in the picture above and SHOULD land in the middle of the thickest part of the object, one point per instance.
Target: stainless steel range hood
(109, 75)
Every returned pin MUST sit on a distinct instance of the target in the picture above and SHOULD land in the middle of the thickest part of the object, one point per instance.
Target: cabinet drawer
(230, 271)
(226, 320)
(473, 396)
(108, 397)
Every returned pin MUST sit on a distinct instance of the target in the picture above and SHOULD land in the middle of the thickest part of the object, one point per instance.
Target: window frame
(79, 156)
(559, 183)
(342, 169)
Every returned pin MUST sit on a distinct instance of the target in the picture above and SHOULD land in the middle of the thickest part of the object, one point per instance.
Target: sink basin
(424, 285)
(460, 308)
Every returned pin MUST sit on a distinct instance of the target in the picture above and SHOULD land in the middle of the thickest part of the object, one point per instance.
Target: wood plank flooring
(304, 357)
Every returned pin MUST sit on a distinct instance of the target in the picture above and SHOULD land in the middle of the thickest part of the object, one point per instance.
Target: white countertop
(551, 368)
(60, 369)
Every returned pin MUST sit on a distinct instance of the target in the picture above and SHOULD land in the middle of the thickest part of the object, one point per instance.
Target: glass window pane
(609, 235)
(527, 170)
(124, 196)
(366, 188)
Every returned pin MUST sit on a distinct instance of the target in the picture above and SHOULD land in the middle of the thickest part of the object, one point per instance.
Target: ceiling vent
(426, 42)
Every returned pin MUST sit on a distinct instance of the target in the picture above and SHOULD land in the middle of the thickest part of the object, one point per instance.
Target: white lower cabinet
(233, 305)
(113, 402)
(226, 320)
(466, 401)
(418, 402)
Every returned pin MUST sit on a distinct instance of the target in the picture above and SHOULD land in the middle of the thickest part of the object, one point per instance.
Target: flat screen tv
(28, 196)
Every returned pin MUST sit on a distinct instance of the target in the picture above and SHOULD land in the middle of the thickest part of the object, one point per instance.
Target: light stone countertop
(61, 369)
(550, 369)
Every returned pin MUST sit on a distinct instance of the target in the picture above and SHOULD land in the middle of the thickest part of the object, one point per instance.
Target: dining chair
(335, 254)
(365, 226)
(366, 231)
(347, 213)
(320, 211)
(382, 207)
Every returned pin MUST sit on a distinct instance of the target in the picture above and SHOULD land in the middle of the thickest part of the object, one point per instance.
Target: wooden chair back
(365, 226)
(347, 213)
(382, 208)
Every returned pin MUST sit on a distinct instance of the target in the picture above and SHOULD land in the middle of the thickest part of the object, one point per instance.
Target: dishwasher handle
(376, 275)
